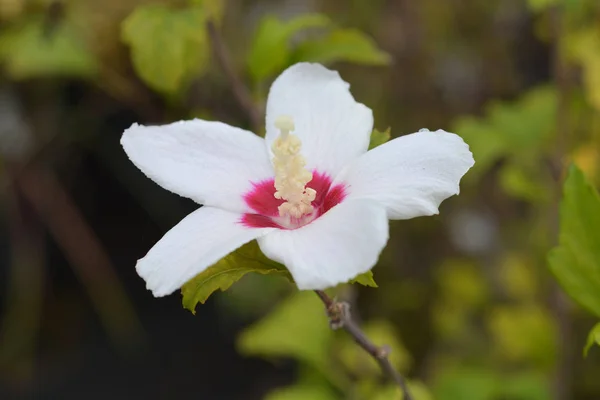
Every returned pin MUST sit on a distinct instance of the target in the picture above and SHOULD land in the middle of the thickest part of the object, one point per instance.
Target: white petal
(333, 127)
(197, 242)
(342, 243)
(209, 162)
(410, 175)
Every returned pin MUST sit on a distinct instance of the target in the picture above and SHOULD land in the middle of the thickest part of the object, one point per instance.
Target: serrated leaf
(365, 279)
(168, 46)
(593, 338)
(349, 45)
(270, 49)
(277, 335)
(226, 272)
(576, 260)
(29, 51)
(379, 137)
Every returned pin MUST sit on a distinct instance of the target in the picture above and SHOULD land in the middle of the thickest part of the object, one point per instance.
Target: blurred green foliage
(29, 51)
(519, 133)
(477, 325)
(271, 49)
(342, 45)
(178, 51)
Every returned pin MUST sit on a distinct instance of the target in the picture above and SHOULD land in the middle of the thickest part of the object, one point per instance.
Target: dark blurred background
(466, 296)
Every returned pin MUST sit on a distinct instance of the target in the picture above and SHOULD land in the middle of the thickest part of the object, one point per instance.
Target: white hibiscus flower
(311, 194)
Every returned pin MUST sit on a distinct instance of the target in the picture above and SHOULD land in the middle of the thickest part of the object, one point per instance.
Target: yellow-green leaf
(270, 49)
(379, 137)
(277, 335)
(169, 46)
(29, 51)
(576, 260)
(342, 45)
(593, 338)
(365, 279)
(226, 272)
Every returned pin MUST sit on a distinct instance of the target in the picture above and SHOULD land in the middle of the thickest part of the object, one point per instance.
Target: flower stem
(340, 317)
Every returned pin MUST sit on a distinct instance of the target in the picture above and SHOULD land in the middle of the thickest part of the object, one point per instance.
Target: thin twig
(560, 306)
(340, 317)
(240, 91)
(82, 248)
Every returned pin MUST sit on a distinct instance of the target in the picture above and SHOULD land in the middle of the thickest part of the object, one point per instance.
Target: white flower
(311, 194)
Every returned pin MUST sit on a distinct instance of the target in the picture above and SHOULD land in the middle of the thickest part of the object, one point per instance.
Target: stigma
(291, 176)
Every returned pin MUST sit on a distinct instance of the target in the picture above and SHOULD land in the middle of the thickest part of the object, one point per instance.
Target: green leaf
(29, 51)
(365, 279)
(277, 335)
(576, 260)
(342, 45)
(169, 47)
(226, 272)
(270, 49)
(593, 338)
(379, 137)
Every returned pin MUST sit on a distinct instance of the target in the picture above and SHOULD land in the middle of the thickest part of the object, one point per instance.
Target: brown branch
(82, 248)
(560, 306)
(340, 317)
(240, 91)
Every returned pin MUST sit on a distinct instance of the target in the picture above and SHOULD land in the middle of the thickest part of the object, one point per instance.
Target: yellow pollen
(290, 175)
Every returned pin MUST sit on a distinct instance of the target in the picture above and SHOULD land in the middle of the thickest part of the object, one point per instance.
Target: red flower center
(261, 199)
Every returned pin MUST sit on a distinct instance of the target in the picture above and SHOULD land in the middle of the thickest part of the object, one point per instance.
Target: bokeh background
(465, 299)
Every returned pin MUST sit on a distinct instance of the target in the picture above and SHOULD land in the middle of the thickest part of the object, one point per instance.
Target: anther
(291, 176)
